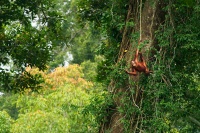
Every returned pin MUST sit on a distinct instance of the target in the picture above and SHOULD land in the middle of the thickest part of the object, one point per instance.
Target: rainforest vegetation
(107, 66)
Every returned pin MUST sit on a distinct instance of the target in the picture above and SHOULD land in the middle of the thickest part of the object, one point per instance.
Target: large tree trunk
(151, 18)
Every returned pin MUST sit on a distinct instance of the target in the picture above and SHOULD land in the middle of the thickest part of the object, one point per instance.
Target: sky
(1, 93)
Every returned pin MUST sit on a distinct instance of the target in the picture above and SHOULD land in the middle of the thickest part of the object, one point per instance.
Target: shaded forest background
(63, 66)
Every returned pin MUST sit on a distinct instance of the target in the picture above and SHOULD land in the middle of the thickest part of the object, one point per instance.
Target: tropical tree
(163, 101)
(28, 32)
(60, 106)
(80, 40)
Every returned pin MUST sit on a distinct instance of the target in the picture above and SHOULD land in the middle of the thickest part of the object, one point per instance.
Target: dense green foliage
(61, 106)
(85, 45)
(170, 100)
(108, 18)
(174, 88)
(5, 122)
(28, 32)
(70, 99)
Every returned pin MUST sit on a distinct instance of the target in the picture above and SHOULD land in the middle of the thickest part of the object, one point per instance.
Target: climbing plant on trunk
(163, 101)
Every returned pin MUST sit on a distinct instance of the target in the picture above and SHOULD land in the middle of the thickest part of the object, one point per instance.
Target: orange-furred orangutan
(138, 66)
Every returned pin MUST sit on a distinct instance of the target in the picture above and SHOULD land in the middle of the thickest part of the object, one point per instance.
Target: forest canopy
(64, 66)
(28, 32)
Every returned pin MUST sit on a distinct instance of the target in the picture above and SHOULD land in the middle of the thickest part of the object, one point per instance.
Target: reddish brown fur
(138, 66)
